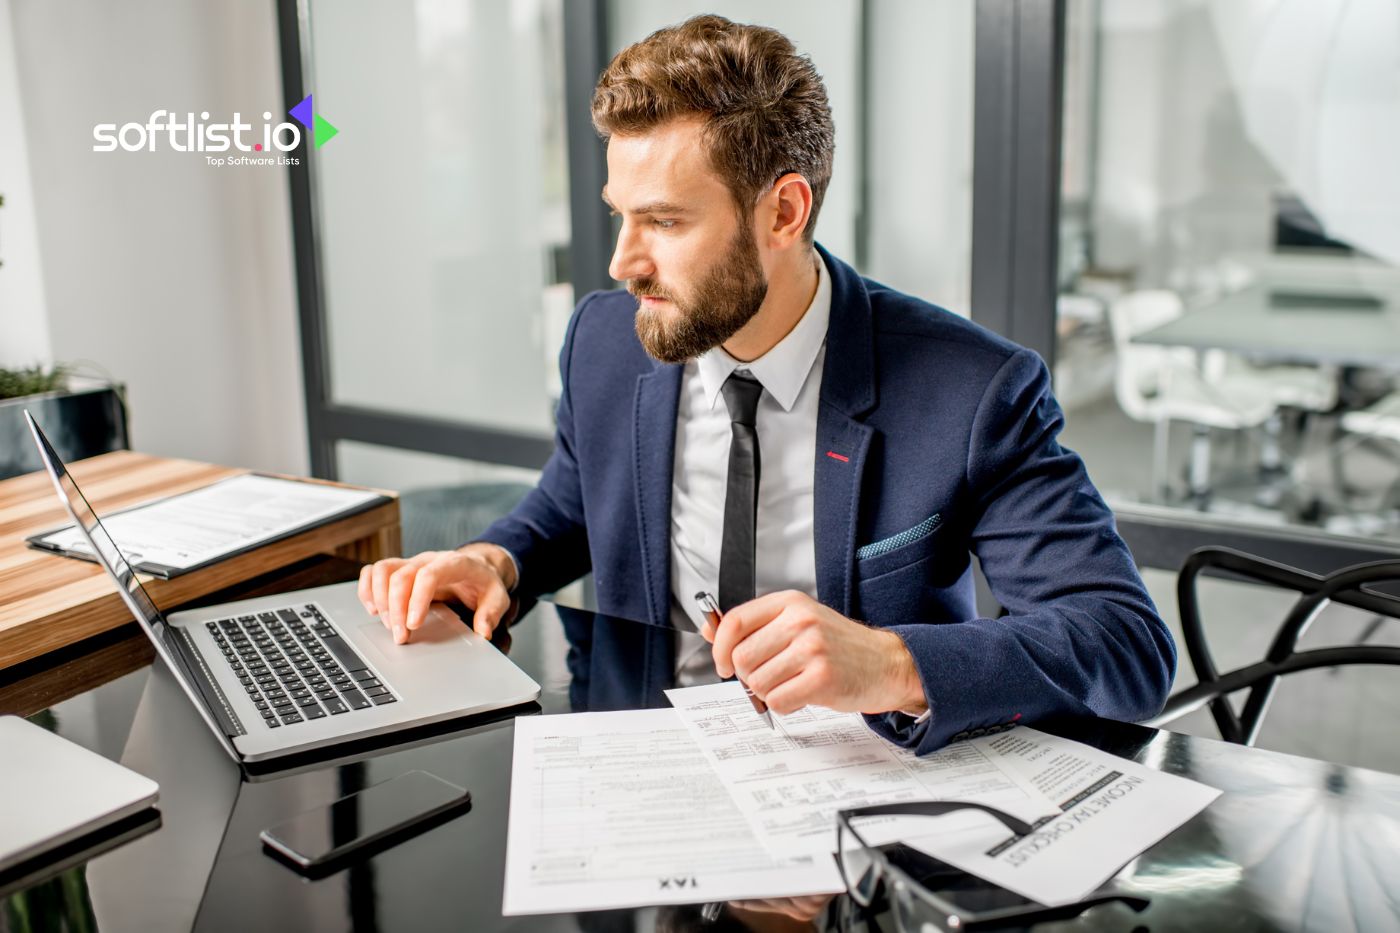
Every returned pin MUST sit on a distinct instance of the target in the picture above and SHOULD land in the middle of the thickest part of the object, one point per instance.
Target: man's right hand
(400, 591)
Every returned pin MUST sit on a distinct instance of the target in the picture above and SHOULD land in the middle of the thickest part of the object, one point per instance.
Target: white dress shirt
(786, 423)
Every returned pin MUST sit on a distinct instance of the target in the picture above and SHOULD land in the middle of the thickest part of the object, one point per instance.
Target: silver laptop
(52, 791)
(281, 675)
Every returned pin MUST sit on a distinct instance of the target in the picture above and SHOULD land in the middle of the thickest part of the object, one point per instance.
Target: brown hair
(764, 106)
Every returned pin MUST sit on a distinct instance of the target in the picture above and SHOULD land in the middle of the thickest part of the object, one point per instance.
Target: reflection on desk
(1292, 844)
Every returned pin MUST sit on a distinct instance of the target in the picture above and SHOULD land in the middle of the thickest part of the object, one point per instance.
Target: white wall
(173, 275)
(24, 328)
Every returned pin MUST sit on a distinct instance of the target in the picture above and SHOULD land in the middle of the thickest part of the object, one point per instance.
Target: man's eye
(664, 224)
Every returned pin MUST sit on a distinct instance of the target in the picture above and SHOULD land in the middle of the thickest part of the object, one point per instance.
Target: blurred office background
(1188, 207)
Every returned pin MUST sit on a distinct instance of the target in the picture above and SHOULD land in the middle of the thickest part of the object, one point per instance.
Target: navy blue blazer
(936, 440)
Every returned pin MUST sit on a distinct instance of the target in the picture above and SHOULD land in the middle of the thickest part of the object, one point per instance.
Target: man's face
(683, 252)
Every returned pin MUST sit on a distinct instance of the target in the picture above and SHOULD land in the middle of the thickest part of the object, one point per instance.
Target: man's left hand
(792, 651)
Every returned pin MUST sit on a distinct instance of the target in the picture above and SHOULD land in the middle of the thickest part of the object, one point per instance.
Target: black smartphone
(371, 819)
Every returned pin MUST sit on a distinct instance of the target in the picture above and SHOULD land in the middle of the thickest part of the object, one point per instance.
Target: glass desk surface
(1292, 844)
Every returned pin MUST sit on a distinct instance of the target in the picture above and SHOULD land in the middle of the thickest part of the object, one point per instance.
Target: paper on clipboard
(177, 534)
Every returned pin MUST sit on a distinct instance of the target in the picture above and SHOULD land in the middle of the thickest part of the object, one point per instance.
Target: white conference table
(1277, 323)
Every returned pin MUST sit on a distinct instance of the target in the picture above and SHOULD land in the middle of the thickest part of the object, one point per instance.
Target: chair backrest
(1379, 420)
(80, 424)
(1349, 586)
(1138, 312)
(1138, 377)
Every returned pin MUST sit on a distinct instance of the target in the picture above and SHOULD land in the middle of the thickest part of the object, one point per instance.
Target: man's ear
(791, 210)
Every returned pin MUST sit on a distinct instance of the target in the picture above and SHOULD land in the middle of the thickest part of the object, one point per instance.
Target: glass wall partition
(1229, 265)
(433, 237)
(442, 207)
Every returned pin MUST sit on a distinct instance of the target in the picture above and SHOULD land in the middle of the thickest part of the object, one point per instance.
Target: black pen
(710, 607)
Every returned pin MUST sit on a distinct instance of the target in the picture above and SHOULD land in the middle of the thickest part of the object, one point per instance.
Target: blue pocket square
(908, 536)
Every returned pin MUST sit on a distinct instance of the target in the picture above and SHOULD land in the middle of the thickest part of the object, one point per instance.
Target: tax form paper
(621, 809)
(1092, 812)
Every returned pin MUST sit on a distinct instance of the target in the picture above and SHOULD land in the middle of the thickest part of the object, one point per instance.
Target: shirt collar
(783, 369)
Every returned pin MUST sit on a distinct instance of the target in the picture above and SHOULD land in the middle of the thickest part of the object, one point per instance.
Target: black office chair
(1350, 586)
(79, 424)
(440, 518)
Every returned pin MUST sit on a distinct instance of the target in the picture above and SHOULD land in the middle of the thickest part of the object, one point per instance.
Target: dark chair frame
(1350, 586)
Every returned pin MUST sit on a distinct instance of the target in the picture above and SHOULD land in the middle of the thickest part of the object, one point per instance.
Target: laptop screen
(110, 556)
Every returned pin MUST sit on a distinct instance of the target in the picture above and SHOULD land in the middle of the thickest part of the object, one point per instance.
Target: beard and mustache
(726, 298)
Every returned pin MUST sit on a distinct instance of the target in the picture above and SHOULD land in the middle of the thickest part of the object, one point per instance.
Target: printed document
(1110, 810)
(1093, 812)
(790, 781)
(205, 524)
(621, 809)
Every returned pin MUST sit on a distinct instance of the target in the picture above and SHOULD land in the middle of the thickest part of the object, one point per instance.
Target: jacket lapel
(843, 441)
(653, 449)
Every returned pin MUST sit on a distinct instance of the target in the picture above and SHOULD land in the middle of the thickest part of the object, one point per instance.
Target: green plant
(15, 383)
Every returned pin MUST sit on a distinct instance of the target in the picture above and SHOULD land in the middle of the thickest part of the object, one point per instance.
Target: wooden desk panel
(48, 601)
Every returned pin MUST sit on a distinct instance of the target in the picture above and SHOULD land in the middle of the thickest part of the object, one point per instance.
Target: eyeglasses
(866, 869)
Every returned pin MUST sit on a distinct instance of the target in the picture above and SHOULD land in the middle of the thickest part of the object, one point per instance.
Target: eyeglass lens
(911, 914)
(859, 869)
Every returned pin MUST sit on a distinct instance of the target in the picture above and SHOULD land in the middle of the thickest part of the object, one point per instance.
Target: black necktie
(736, 557)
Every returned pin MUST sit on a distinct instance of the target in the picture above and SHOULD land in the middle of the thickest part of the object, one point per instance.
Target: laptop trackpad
(442, 639)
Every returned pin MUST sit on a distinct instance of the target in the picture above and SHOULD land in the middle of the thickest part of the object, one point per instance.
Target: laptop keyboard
(295, 667)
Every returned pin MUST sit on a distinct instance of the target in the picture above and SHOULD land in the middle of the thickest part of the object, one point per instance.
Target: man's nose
(630, 259)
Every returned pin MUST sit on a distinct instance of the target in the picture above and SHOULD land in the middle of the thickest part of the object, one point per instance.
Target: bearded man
(754, 419)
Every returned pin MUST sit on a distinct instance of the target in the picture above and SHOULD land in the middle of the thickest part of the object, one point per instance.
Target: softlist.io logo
(321, 130)
(165, 129)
